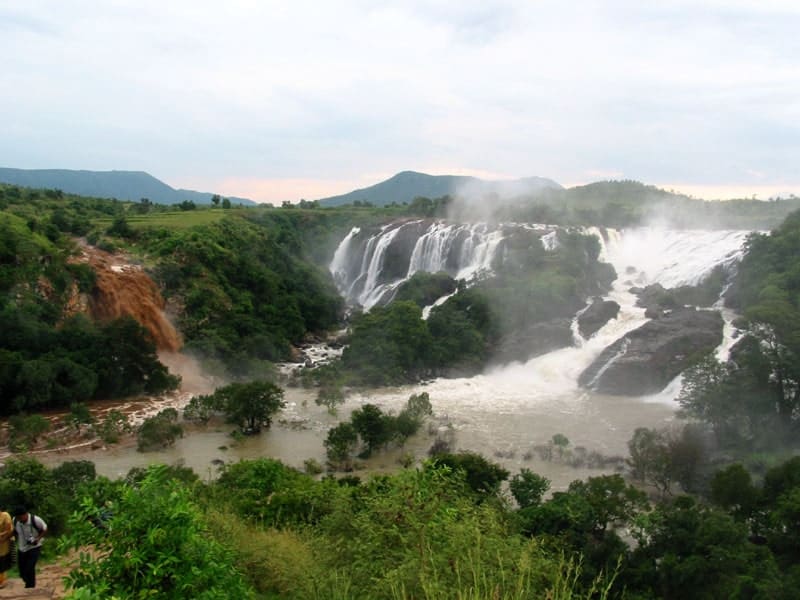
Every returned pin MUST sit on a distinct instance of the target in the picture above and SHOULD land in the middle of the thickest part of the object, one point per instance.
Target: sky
(279, 101)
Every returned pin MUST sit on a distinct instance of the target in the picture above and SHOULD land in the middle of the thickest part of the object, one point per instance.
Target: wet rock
(646, 359)
(655, 299)
(535, 340)
(398, 254)
(598, 314)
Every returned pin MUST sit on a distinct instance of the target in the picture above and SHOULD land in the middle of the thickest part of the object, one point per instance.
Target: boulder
(596, 315)
(655, 299)
(535, 340)
(398, 253)
(646, 359)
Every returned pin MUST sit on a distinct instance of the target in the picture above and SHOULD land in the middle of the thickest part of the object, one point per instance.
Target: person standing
(29, 531)
(6, 533)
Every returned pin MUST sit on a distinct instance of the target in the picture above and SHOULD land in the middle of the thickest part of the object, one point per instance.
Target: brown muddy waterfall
(123, 289)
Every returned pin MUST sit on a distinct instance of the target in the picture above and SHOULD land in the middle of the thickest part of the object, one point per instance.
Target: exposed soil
(49, 582)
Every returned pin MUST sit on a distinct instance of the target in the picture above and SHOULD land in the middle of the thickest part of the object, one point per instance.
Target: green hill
(122, 185)
(407, 185)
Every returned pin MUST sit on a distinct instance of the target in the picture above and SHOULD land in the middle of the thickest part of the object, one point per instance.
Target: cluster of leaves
(159, 431)
(370, 429)
(154, 543)
(663, 457)
(420, 533)
(423, 289)
(250, 406)
(46, 365)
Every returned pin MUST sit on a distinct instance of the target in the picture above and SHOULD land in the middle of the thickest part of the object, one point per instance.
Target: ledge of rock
(596, 315)
(646, 359)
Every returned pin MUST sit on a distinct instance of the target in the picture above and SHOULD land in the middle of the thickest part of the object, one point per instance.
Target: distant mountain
(406, 186)
(122, 185)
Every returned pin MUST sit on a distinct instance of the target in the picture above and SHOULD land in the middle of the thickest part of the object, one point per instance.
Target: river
(504, 413)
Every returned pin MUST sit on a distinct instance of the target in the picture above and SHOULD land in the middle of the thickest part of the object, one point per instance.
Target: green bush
(159, 431)
(156, 545)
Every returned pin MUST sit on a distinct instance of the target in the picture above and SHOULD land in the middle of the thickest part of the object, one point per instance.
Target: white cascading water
(464, 251)
(512, 407)
(641, 257)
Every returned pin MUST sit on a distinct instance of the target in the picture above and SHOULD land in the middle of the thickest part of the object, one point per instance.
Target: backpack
(31, 520)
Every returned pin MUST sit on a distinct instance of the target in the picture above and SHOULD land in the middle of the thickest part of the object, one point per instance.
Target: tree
(649, 458)
(688, 551)
(612, 500)
(25, 430)
(215, 200)
(113, 426)
(226, 203)
(373, 427)
(159, 431)
(482, 476)
(389, 344)
(79, 414)
(250, 406)
(200, 409)
(340, 444)
(69, 475)
(732, 489)
(330, 395)
(528, 488)
(561, 442)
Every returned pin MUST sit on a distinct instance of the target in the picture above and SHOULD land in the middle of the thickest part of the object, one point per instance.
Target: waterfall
(671, 257)
(126, 290)
(368, 266)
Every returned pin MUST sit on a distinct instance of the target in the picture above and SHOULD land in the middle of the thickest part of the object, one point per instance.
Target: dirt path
(49, 583)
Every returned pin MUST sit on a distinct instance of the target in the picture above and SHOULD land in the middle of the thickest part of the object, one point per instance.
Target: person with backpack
(6, 558)
(29, 531)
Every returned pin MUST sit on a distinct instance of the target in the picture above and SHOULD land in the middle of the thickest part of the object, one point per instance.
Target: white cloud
(703, 92)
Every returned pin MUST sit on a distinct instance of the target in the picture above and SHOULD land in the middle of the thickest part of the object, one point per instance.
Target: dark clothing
(27, 565)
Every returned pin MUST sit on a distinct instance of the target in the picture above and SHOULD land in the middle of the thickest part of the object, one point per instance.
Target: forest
(710, 511)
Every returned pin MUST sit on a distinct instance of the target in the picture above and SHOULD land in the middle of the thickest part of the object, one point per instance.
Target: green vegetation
(442, 530)
(250, 406)
(372, 429)
(423, 289)
(159, 431)
(49, 357)
(155, 544)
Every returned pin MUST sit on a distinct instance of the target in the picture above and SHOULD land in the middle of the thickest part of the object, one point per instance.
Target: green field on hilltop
(177, 219)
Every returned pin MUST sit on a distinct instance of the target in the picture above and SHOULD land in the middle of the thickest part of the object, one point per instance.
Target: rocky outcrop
(398, 254)
(655, 299)
(646, 359)
(596, 315)
(538, 339)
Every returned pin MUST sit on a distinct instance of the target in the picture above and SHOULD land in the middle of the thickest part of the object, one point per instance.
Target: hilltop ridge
(407, 185)
(122, 185)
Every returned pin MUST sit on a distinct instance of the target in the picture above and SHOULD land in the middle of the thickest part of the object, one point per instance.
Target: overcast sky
(298, 99)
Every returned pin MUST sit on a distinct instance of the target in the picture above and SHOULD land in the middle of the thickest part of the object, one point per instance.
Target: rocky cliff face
(599, 312)
(646, 359)
(538, 339)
